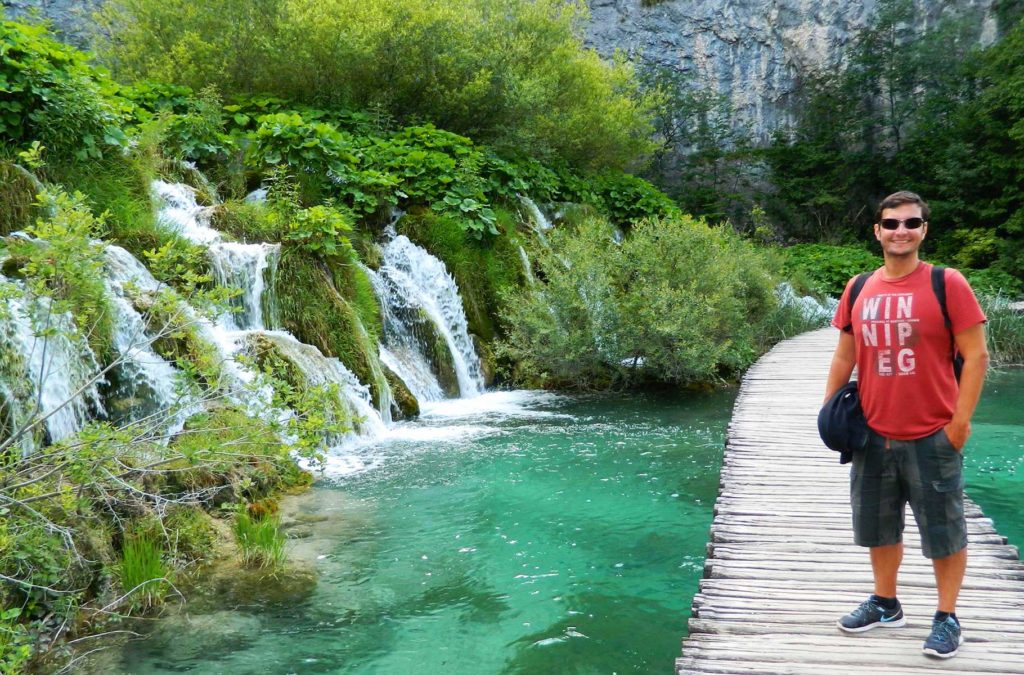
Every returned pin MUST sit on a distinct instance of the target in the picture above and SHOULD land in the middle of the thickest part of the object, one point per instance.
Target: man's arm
(843, 361)
(970, 342)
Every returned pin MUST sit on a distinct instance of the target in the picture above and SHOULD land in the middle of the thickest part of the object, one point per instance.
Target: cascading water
(248, 268)
(145, 382)
(414, 287)
(54, 358)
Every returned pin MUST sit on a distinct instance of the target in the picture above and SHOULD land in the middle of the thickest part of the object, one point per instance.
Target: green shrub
(676, 302)
(52, 95)
(828, 267)
(511, 72)
(67, 264)
(260, 540)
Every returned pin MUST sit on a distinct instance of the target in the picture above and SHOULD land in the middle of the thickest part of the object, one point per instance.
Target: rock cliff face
(751, 51)
(71, 19)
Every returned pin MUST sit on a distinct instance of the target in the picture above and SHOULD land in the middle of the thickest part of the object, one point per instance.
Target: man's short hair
(899, 199)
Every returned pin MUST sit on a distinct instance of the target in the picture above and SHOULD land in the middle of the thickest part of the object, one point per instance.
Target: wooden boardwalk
(782, 566)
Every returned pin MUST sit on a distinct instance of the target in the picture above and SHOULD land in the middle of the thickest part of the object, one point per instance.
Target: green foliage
(827, 267)
(53, 96)
(510, 72)
(15, 642)
(676, 302)
(1004, 330)
(627, 199)
(260, 540)
(67, 264)
(321, 230)
(144, 576)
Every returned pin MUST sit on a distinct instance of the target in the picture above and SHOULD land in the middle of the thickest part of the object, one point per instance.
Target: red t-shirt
(904, 352)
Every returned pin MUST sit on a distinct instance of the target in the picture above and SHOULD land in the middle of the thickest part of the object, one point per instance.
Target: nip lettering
(888, 327)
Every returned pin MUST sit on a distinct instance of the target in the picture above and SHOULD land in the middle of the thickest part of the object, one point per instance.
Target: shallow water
(518, 532)
(513, 533)
(994, 456)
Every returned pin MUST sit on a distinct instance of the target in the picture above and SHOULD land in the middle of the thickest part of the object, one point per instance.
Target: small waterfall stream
(421, 303)
(54, 359)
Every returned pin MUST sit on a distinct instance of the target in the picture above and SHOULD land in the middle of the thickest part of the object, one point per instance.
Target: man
(920, 418)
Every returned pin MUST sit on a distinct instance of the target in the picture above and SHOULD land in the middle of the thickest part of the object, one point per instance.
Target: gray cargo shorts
(928, 473)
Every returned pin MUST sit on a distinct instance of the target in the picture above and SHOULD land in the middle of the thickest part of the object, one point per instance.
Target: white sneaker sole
(932, 652)
(899, 623)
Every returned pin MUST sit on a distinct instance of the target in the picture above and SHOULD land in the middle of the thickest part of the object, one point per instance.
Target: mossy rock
(404, 404)
(488, 366)
(18, 190)
(439, 354)
(312, 309)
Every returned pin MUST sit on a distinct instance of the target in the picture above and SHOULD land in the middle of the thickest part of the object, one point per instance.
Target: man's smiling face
(902, 241)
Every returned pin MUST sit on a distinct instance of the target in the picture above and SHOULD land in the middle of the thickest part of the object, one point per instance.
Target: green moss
(18, 190)
(483, 269)
(246, 221)
(407, 405)
(355, 285)
(119, 187)
(313, 310)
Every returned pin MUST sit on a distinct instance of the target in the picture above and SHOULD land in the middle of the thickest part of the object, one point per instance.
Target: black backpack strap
(858, 285)
(939, 288)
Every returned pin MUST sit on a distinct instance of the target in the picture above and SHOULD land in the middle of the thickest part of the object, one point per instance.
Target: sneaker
(945, 639)
(870, 614)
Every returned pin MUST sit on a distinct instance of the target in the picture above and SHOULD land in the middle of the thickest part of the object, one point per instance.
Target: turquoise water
(994, 456)
(535, 534)
(516, 533)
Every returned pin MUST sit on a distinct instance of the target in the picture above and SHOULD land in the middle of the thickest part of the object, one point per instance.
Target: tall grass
(260, 540)
(143, 572)
(1005, 330)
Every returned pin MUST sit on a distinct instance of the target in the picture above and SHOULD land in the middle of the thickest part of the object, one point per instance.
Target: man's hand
(957, 433)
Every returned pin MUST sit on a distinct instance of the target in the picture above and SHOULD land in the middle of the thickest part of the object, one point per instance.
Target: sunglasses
(894, 223)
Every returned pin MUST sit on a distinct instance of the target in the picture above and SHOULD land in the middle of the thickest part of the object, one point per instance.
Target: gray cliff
(750, 51)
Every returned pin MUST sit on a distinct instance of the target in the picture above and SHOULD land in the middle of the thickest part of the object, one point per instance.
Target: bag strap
(858, 285)
(939, 288)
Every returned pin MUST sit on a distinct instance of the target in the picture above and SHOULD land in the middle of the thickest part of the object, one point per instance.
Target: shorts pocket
(954, 484)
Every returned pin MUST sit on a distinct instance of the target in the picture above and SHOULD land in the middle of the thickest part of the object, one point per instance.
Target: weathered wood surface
(782, 566)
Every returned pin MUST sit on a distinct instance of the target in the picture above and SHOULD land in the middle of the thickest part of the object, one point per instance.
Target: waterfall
(146, 382)
(46, 350)
(246, 268)
(251, 268)
(418, 293)
(320, 370)
(182, 214)
(539, 221)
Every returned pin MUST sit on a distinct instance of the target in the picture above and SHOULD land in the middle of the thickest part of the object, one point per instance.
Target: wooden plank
(782, 566)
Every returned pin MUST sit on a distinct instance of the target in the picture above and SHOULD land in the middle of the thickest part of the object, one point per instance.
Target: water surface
(517, 532)
(514, 533)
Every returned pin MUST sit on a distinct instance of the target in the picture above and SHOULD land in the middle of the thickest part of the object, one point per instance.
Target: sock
(887, 603)
(942, 616)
